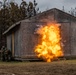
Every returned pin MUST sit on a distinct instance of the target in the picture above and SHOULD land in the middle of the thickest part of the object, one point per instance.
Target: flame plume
(49, 46)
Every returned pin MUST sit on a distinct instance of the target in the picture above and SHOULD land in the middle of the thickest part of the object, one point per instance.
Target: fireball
(50, 45)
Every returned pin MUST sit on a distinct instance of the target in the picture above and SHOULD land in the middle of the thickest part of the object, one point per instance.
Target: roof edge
(11, 27)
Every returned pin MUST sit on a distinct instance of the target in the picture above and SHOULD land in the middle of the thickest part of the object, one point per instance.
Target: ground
(65, 67)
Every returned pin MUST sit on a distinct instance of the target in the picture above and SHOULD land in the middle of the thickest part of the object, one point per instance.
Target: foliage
(11, 13)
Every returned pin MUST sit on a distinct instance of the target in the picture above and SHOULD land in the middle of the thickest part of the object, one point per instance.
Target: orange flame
(49, 47)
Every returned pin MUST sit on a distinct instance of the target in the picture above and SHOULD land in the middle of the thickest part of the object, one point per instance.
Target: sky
(48, 4)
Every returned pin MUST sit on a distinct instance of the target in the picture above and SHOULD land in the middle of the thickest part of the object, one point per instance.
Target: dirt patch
(66, 67)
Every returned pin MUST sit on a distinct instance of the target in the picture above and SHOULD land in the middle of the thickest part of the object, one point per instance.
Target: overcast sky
(48, 4)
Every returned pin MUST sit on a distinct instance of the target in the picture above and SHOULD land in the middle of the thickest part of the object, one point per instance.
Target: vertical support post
(70, 37)
(12, 44)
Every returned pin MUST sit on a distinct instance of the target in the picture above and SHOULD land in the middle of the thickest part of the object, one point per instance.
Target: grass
(65, 67)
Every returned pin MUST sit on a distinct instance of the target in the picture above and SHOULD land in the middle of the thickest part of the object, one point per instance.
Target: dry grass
(65, 67)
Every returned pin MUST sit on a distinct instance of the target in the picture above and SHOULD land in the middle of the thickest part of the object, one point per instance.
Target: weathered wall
(65, 38)
(28, 38)
(17, 43)
(9, 42)
(45, 16)
(68, 29)
(73, 38)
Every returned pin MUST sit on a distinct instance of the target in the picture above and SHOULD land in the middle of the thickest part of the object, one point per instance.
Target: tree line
(11, 12)
(72, 11)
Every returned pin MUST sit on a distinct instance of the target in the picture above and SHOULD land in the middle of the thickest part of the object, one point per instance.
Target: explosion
(49, 46)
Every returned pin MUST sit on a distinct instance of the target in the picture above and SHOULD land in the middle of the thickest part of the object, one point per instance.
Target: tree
(31, 10)
(3, 15)
(11, 13)
(23, 9)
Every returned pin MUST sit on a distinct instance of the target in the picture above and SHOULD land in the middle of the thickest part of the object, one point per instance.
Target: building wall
(73, 38)
(44, 16)
(14, 41)
(9, 44)
(68, 32)
(65, 38)
(28, 38)
(17, 43)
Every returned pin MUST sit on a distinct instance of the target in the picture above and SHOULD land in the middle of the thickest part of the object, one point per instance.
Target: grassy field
(65, 67)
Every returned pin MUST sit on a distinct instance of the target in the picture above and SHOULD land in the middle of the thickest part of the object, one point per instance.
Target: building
(21, 37)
